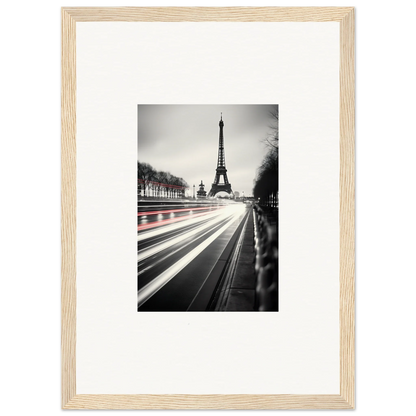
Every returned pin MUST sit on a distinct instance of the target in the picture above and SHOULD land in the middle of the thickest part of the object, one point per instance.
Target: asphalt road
(178, 247)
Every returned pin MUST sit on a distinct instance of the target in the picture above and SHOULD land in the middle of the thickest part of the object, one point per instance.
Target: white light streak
(144, 254)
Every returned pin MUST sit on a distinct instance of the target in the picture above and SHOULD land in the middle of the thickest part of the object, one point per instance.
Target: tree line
(152, 182)
(266, 183)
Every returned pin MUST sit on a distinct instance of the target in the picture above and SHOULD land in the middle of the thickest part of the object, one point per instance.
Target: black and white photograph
(207, 208)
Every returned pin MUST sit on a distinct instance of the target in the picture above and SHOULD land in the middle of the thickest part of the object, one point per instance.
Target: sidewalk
(238, 292)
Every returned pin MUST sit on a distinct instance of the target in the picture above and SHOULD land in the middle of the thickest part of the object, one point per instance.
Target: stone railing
(266, 262)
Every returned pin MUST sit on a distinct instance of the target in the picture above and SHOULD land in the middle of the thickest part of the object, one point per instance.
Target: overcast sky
(183, 140)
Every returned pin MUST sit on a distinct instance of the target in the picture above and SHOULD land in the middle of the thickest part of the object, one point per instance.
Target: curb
(206, 298)
(227, 281)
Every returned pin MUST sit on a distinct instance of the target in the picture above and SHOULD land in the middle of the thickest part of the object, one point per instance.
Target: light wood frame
(346, 398)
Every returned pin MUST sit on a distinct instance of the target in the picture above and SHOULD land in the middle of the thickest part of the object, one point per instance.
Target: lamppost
(194, 192)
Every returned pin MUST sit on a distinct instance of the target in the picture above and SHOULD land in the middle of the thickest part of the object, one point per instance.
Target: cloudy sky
(183, 140)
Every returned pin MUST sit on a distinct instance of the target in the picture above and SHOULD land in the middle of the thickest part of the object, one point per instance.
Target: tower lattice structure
(217, 185)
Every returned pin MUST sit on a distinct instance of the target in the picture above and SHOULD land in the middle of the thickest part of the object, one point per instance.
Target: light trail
(142, 270)
(186, 220)
(139, 214)
(167, 221)
(157, 283)
(156, 248)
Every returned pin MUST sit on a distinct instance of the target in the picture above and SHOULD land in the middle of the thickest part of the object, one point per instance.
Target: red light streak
(140, 214)
(169, 221)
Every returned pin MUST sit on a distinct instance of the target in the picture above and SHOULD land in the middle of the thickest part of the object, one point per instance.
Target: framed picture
(232, 132)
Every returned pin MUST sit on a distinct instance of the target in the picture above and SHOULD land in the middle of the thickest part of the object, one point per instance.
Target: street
(179, 244)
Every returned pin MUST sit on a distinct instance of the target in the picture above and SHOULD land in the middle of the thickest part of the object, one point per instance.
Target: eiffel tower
(217, 186)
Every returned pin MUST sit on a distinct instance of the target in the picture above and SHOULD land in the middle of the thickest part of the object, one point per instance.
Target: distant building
(201, 193)
(236, 194)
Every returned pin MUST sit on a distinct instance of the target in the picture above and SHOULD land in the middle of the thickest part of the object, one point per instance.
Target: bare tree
(266, 184)
(267, 180)
(146, 173)
(272, 139)
(160, 182)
